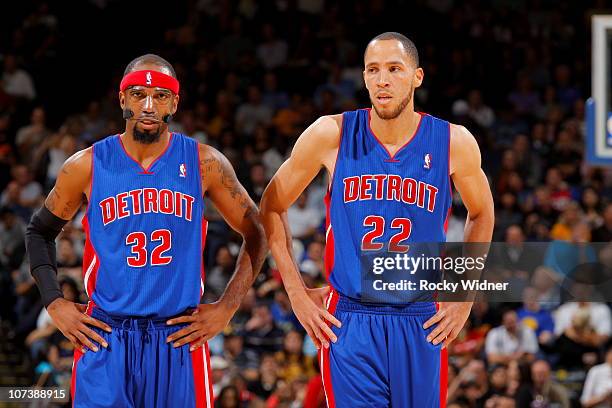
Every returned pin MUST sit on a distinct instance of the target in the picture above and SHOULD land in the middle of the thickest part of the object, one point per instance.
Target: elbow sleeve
(41, 232)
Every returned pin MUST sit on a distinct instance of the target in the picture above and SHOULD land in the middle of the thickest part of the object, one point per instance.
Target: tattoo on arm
(50, 202)
(211, 165)
(56, 200)
(253, 251)
(64, 211)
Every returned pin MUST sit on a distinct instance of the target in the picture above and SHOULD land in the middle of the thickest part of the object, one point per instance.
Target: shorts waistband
(131, 322)
(347, 304)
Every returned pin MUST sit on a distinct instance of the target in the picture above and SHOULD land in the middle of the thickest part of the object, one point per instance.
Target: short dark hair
(409, 46)
(150, 59)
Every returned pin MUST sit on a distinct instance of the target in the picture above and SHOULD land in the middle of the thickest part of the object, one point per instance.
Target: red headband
(150, 79)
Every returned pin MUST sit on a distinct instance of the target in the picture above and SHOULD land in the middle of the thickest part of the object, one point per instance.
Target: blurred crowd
(253, 76)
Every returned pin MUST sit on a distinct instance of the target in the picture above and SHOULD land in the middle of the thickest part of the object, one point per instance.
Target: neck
(397, 131)
(142, 152)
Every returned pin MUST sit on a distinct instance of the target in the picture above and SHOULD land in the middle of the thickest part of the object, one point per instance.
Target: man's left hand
(205, 322)
(450, 318)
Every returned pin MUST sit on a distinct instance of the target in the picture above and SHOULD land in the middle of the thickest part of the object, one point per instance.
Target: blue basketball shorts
(138, 369)
(382, 357)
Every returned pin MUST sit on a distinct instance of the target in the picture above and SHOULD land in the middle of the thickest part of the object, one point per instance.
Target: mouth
(148, 124)
(383, 99)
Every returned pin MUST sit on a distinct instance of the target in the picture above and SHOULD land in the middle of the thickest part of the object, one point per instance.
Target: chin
(386, 112)
(148, 136)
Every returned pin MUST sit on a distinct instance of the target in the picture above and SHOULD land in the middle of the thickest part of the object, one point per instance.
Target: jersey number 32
(138, 243)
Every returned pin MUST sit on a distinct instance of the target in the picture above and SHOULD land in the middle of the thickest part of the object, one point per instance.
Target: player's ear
(364, 79)
(175, 103)
(419, 74)
(122, 100)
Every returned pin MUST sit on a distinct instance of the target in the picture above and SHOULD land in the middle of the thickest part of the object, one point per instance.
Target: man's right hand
(309, 307)
(71, 320)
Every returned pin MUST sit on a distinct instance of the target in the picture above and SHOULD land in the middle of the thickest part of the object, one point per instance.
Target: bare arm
(241, 213)
(72, 182)
(234, 204)
(316, 148)
(471, 183)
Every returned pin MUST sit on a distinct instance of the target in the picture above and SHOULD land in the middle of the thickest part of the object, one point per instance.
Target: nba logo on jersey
(149, 78)
(182, 170)
(427, 159)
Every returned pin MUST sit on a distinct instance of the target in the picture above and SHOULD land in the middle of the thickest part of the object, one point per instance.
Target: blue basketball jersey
(379, 203)
(145, 230)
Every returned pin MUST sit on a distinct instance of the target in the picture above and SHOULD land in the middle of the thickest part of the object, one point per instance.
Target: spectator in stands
(498, 382)
(17, 82)
(529, 162)
(471, 384)
(303, 220)
(219, 373)
(272, 52)
(38, 339)
(29, 191)
(12, 239)
(219, 275)
(253, 112)
(565, 256)
(537, 319)
(518, 258)
(313, 263)
(542, 390)
(270, 156)
(51, 154)
(29, 137)
(475, 108)
(570, 217)
(257, 181)
(268, 379)
(282, 313)
(591, 204)
(273, 97)
(546, 283)
(578, 345)
(598, 314)
(228, 397)
(561, 197)
(604, 232)
(524, 99)
(94, 124)
(291, 359)
(261, 333)
(241, 361)
(510, 341)
(66, 254)
(597, 391)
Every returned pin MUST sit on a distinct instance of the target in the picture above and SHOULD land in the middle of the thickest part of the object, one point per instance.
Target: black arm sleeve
(42, 230)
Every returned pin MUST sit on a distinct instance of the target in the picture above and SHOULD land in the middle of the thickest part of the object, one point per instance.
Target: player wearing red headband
(141, 340)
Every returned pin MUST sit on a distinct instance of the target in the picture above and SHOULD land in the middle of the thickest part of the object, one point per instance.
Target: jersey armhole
(201, 177)
(91, 181)
(333, 175)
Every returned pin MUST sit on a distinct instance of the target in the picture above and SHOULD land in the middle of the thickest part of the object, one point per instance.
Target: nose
(148, 104)
(382, 79)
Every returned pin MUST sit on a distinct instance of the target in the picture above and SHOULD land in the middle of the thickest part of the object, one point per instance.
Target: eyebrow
(386, 63)
(142, 88)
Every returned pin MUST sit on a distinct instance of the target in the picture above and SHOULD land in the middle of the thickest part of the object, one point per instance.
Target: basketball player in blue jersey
(142, 339)
(390, 169)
